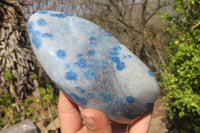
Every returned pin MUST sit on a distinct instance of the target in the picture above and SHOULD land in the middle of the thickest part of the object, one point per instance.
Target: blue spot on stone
(105, 64)
(37, 39)
(113, 52)
(108, 97)
(59, 15)
(41, 22)
(129, 56)
(150, 73)
(30, 27)
(47, 35)
(130, 99)
(117, 48)
(109, 34)
(95, 61)
(43, 12)
(91, 53)
(71, 75)
(100, 29)
(125, 56)
(78, 99)
(60, 54)
(108, 109)
(80, 55)
(68, 14)
(90, 95)
(81, 63)
(80, 89)
(67, 65)
(148, 105)
(93, 41)
(115, 59)
(90, 75)
(121, 102)
(94, 65)
(120, 66)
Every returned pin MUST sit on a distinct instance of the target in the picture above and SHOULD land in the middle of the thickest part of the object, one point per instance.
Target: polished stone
(91, 66)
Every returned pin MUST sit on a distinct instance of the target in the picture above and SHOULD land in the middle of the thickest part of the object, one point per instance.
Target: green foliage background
(43, 108)
(182, 81)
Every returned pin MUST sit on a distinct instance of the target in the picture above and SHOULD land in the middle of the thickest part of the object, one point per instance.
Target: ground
(159, 119)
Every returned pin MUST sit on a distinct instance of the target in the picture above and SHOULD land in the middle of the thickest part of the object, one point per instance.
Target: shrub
(182, 81)
(36, 109)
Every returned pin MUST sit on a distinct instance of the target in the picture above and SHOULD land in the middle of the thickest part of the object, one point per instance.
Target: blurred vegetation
(43, 108)
(182, 81)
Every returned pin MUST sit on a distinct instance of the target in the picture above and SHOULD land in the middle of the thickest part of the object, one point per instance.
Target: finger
(96, 121)
(141, 125)
(69, 115)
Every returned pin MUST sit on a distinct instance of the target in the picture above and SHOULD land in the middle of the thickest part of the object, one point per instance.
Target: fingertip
(65, 105)
(69, 115)
(96, 121)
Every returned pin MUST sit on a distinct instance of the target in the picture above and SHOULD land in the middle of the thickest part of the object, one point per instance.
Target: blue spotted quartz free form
(91, 66)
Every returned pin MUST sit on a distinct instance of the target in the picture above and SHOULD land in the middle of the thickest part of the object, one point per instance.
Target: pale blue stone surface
(91, 66)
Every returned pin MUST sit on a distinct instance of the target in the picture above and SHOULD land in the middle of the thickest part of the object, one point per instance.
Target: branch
(151, 15)
(158, 8)
(156, 65)
(137, 31)
(144, 6)
(195, 26)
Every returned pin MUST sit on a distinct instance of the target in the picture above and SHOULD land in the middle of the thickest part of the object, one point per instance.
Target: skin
(95, 121)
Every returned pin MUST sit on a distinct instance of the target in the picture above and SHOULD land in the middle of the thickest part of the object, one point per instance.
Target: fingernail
(90, 123)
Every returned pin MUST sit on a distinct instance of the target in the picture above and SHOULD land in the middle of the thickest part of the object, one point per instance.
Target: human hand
(95, 121)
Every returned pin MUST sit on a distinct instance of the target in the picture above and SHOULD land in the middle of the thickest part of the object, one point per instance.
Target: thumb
(96, 121)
